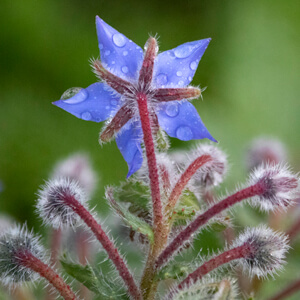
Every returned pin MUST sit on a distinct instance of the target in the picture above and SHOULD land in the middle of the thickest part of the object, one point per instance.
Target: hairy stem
(184, 179)
(160, 236)
(202, 219)
(215, 262)
(107, 244)
(30, 261)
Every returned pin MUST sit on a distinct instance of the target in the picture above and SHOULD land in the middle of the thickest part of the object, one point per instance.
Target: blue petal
(181, 120)
(95, 103)
(176, 67)
(129, 144)
(119, 54)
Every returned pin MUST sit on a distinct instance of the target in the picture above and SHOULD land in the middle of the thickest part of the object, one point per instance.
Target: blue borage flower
(114, 98)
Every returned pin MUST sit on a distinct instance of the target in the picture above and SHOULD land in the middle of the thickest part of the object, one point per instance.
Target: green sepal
(186, 208)
(131, 220)
(162, 141)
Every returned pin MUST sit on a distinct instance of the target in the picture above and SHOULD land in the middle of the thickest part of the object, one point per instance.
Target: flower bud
(213, 172)
(265, 253)
(77, 167)
(14, 244)
(265, 150)
(280, 187)
(53, 202)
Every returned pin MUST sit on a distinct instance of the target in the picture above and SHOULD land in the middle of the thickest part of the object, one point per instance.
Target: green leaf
(135, 192)
(131, 220)
(103, 286)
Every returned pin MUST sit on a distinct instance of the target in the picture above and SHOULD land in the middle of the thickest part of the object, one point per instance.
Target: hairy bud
(16, 242)
(265, 253)
(280, 187)
(52, 204)
(213, 172)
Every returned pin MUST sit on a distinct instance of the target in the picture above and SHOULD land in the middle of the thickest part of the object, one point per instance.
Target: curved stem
(204, 218)
(107, 244)
(30, 261)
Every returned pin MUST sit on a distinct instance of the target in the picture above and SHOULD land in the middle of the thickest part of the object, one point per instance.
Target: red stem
(223, 258)
(289, 290)
(151, 160)
(31, 262)
(107, 244)
(294, 230)
(184, 179)
(184, 235)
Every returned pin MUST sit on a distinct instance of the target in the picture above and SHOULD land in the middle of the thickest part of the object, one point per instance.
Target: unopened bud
(280, 187)
(213, 172)
(14, 244)
(266, 250)
(53, 204)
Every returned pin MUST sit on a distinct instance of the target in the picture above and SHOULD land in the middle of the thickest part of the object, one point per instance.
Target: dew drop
(113, 62)
(124, 69)
(125, 53)
(100, 46)
(76, 95)
(172, 109)
(86, 116)
(179, 73)
(183, 51)
(119, 40)
(181, 83)
(107, 52)
(161, 79)
(184, 133)
(190, 78)
(193, 65)
(113, 102)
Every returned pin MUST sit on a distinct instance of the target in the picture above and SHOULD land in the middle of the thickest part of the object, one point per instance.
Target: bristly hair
(51, 205)
(13, 242)
(281, 186)
(268, 251)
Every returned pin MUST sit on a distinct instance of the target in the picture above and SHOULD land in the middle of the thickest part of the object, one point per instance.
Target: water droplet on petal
(181, 83)
(161, 79)
(113, 62)
(179, 73)
(183, 51)
(86, 116)
(172, 109)
(76, 94)
(184, 133)
(193, 65)
(107, 107)
(113, 102)
(119, 40)
(190, 78)
(125, 53)
(107, 52)
(100, 46)
(124, 69)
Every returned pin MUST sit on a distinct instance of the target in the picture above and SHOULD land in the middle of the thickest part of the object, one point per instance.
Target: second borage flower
(127, 73)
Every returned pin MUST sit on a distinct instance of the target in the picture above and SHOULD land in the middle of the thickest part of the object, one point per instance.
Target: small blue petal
(119, 54)
(181, 120)
(129, 144)
(95, 103)
(176, 67)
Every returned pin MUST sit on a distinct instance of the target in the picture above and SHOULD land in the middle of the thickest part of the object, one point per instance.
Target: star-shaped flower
(127, 72)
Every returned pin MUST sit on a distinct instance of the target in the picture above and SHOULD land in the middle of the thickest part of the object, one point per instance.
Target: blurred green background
(251, 69)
